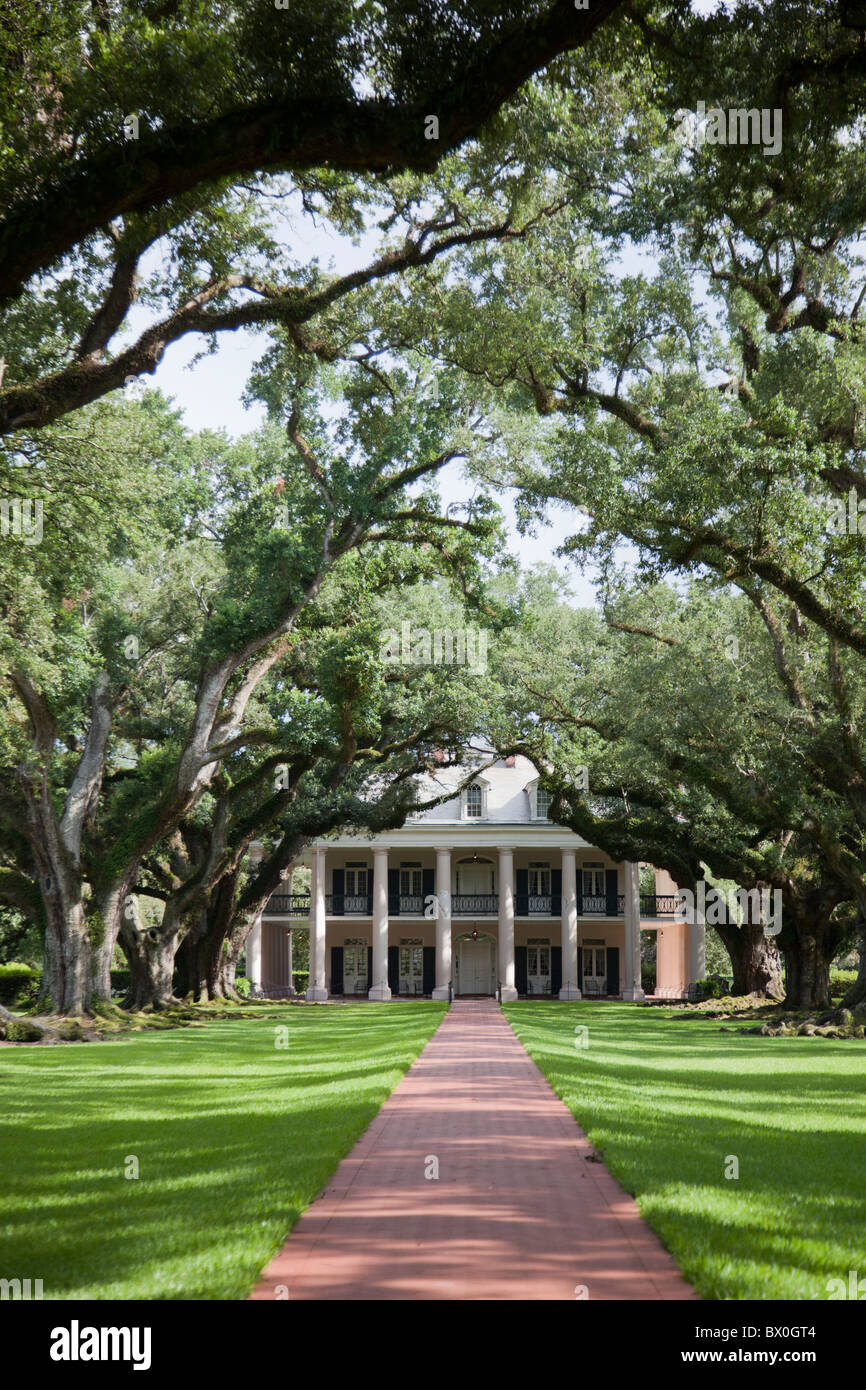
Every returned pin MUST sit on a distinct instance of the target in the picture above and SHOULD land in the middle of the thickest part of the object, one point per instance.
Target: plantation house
(480, 895)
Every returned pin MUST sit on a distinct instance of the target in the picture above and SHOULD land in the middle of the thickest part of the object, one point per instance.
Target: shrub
(19, 985)
(242, 985)
(22, 1030)
(712, 988)
(648, 977)
(300, 980)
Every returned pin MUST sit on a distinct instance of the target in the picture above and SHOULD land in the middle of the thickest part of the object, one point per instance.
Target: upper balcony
(652, 905)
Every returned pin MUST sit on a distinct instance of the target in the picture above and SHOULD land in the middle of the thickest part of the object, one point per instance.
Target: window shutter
(338, 902)
(556, 892)
(393, 892)
(521, 974)
(555, 969)
(428, 886)
(579, 966)
(336, 970)
(610, 879)
(613, 970)
(521, 893)
(393, 968)
(369, 968)
(429, 977)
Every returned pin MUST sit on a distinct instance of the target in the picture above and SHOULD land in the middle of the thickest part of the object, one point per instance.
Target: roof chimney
(509, 761)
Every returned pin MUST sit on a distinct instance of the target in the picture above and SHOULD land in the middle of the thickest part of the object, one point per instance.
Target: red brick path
(518, 1211)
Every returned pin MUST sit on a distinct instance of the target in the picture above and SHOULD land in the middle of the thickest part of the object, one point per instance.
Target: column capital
(505, 849)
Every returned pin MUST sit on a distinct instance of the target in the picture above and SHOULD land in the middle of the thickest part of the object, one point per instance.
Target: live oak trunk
(150, 955)
(808, 973)
(755, 960)
(857, 992)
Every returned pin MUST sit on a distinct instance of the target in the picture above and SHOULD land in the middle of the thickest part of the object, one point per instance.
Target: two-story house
(480, 895)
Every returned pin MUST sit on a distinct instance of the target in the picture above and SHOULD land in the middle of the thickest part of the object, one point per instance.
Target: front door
(594, 970)
(355, 967)
(475, 967)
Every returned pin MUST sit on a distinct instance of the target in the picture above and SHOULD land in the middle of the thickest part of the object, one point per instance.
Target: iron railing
(474, 904)
(289, 904)
(658, 904)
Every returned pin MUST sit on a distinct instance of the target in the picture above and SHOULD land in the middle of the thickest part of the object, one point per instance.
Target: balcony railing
(472, 905)
(349, 904)
(658, 904)
(289, 904)
(407, 904)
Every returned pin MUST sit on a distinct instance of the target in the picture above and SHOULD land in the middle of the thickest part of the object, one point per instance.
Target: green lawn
(234, 1137)
(667, 1101)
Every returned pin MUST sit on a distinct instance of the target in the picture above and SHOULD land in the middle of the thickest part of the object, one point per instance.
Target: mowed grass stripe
(234, 1137)
(667, 1102)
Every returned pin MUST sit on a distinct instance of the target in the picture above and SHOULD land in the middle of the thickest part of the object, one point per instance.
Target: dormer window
(539, 801)
(473, 803)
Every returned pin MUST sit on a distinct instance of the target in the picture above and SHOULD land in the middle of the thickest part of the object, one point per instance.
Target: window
(410, 880)
(538, 963)
(539, 880)
(542, 803)
(355, 964)
(593, 882)
(357, 888)
(474, 802)
(411, 964)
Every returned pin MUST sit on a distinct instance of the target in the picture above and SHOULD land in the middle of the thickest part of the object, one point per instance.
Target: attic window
(474, 802)
(542, 803)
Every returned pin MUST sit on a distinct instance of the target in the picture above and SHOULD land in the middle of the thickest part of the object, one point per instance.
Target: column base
(633, 995)
(508, 994)
(440, 992)
(570, 994)
(316, 996)
(379, 994)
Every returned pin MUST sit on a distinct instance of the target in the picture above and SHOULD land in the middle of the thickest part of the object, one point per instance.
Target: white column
(697, 931)
(317, 992)
(569, 926)
(291, 941)
(254, 954)
(506, 924)
(443, 923)
(290, 944)
(631, 965)
(380, 989)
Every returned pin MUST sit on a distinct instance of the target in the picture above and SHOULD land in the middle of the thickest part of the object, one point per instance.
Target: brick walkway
(518, 1211)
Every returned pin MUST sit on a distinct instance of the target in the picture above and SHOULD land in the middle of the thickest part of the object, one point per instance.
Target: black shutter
(579, 966)
(369, 968)
(429, 979)
(555, 970)
(394, 969)
(521, 977)
(613, 970)
(521, 894)
(338, 902)
(610, 878)
(556, 890)
(336, 970)
(393, 892)
(428, 889)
